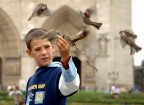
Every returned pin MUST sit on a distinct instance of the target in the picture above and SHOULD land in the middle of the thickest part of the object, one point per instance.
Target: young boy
(52, 81)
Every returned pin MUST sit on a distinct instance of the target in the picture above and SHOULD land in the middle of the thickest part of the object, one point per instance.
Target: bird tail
(138, 48)
(134, 36)
(135, 49)
(97, 25)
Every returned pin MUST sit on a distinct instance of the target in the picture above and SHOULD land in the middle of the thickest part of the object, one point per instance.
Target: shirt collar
(52, 64)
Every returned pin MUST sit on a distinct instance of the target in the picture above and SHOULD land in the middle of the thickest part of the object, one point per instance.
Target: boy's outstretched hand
(63, 47)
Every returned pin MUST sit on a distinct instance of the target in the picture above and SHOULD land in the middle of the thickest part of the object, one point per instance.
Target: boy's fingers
(61, 38)
(61, 45)
(62, 41)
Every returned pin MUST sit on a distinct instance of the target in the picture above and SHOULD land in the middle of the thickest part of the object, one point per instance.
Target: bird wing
(133, 50)
(131, 34)
(123, 39)
(80, 35)
(123, 43)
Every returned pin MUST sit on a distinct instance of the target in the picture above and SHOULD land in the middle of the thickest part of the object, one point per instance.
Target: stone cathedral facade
(102, 47)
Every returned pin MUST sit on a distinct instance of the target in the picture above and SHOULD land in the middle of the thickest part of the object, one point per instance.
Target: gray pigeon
(40, 11)
(128, 38)
(86, 18)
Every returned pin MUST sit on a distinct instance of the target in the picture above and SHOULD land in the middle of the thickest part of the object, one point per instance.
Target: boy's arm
(69, 80)
(63, 48)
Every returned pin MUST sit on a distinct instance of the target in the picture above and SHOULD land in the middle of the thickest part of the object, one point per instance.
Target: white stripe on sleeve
(67, 88)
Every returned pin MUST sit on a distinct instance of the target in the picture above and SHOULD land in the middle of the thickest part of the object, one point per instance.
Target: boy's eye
(47, 46)
(37, 49)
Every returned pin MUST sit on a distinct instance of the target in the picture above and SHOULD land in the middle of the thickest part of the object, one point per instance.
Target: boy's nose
(44, 51)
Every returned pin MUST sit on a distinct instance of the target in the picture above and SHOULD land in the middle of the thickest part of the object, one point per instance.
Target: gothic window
(103, 45)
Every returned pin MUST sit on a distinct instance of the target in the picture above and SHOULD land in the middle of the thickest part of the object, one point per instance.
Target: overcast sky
(138, 28)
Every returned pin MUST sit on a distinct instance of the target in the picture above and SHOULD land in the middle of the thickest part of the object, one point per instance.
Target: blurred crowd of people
(116, 90)
(16, 94)
(13, 90)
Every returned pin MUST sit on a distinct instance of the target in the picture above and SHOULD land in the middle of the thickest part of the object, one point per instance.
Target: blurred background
(115, 64)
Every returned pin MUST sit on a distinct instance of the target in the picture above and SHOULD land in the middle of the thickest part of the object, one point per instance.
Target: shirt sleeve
(69, 80)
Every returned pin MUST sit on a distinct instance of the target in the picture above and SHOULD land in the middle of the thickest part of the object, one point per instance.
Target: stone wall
(102, 46)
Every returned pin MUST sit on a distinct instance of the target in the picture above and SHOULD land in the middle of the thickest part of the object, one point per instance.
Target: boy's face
(42, 51)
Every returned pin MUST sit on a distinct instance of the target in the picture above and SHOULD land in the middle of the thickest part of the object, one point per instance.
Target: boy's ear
(29, 53)
(53, 47)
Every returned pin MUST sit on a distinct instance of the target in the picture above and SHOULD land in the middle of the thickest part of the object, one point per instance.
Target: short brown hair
(36, 33)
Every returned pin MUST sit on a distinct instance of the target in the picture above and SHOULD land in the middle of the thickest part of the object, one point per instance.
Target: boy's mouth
(45, 58)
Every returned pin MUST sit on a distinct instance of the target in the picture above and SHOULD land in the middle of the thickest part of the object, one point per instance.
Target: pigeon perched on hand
(80, 35)
(40, 11)
(71, 40)
(68, 39)
(128, 38)
(86, 18)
